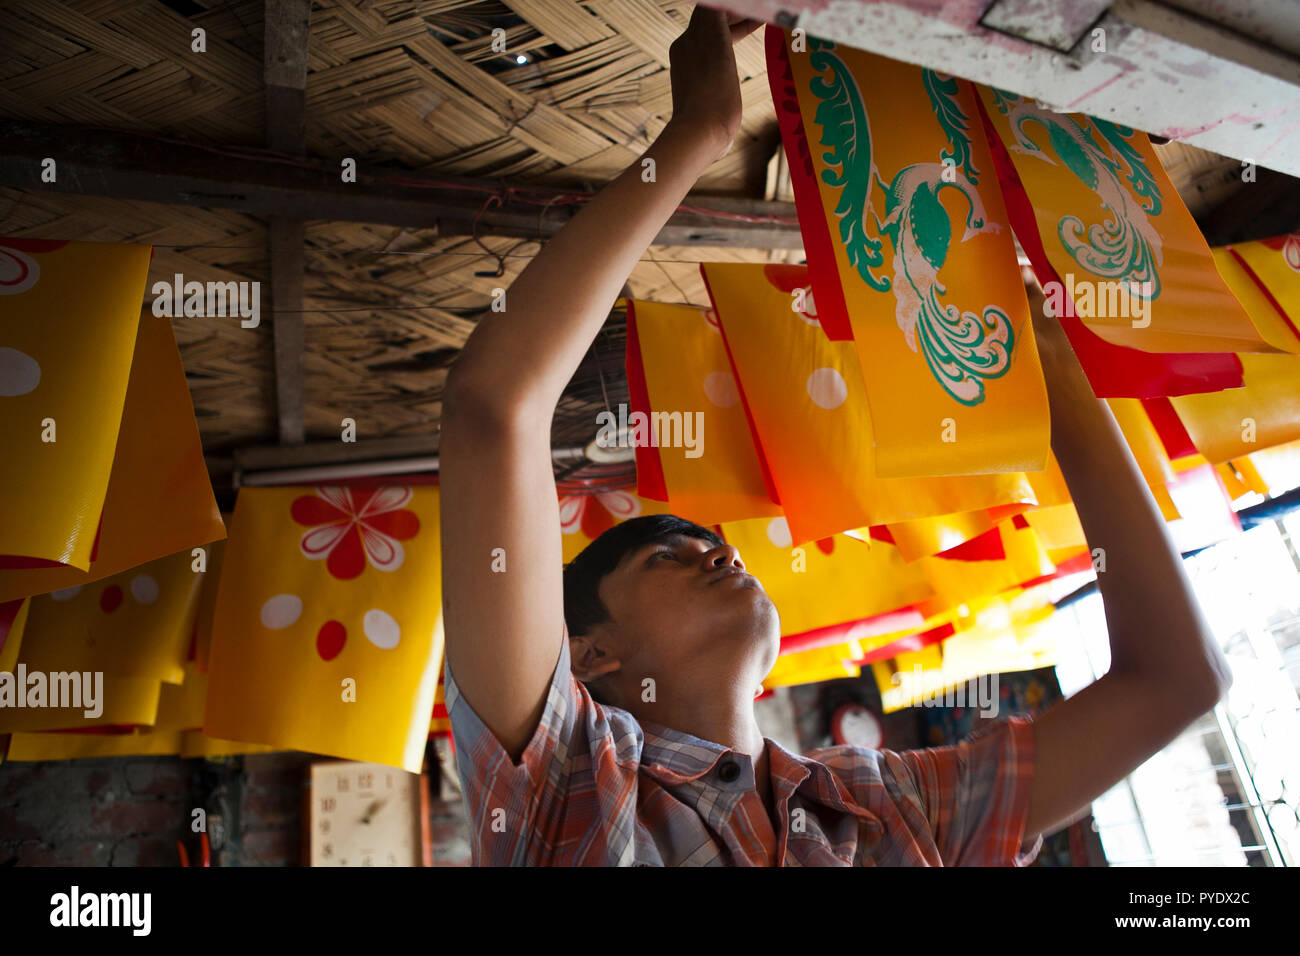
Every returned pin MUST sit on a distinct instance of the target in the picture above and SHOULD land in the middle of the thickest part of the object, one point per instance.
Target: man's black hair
(583, 608)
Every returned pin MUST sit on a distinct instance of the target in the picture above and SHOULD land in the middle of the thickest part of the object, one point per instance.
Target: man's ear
(589, 656)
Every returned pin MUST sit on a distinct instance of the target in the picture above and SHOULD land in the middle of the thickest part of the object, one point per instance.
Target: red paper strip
(913, 642)
(983, 547)
(1169, 427)
(649, 469)
(897, 620)
(832, 312)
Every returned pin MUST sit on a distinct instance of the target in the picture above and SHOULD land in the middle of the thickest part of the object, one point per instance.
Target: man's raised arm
(1166, 668)
(504, 609)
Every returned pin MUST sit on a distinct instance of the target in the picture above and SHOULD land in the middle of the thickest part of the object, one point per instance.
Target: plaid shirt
(596, 787)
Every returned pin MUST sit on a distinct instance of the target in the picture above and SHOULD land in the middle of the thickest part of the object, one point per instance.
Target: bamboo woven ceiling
(411, 86)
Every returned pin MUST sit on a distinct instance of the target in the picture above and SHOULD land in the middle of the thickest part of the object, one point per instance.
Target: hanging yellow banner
(1148, 451)
(827, 582)
(327, 635)
(135, 624)
(806, 398)
(68, 317)
(1261, 303)
(1129, 255)
(584, 518)
(1238, 421)
(180, 706)
(159, 498)
(697, 421)
(1007, 636)
(207, 607)
(957, 582)
(74, 700)
(927, 264)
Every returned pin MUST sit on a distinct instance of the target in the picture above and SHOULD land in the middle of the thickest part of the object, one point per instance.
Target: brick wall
(110, 812)
(130, 811)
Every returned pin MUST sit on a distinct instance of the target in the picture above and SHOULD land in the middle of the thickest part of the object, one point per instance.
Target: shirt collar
(674, 758)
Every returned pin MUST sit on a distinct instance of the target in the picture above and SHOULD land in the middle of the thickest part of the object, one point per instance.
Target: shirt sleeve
(975, 794)
(513, 807)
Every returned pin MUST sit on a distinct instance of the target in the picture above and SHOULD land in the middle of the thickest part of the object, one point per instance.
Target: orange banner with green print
(925, 263)
(1125, 248)
(327, 635)
(808, 404)
(68, 318)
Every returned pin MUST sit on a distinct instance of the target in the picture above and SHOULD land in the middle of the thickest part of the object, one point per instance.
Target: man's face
(681, 600)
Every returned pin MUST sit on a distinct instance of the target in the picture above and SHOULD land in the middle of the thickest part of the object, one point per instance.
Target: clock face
(856, 725)
(365, 814)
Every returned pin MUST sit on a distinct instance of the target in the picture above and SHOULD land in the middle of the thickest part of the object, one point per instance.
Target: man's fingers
(706, 20)
(743, 28)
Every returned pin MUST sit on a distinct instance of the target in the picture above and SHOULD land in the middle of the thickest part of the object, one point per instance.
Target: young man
(659, 618)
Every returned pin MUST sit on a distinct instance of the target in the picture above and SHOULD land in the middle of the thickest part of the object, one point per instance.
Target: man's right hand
(706, 90)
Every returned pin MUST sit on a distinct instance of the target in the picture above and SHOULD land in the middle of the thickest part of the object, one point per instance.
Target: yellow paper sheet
(1239, 421)
(135, 624)
(328, 629)
(68, 320)
(812, 589)
(159, 498)
(710, 466)
(809, 405)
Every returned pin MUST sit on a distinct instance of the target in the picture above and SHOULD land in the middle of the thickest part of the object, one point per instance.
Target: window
(1227, 791)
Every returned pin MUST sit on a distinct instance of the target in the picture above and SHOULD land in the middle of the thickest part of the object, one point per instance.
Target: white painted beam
(1204, 75)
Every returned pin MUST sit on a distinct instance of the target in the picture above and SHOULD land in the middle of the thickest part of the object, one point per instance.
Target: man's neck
(735, 729)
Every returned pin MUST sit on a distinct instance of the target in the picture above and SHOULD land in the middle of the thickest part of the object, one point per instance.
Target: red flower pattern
(348, 526)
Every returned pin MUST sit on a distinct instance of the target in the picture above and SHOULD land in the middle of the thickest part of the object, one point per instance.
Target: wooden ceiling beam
(125, 165)
(288, 31)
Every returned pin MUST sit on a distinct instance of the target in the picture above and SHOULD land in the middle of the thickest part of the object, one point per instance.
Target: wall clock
(365, 814)
(855, 725)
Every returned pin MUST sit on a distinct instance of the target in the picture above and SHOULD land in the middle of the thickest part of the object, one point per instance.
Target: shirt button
(729, 771)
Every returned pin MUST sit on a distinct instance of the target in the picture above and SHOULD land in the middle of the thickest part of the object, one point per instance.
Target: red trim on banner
(1169, 427)
(899, 619)
(832, 311)
(983, 547)
(18, 562)
(1114, 371)
(35, 246)
(8, 614)
(649, 469)
(1075, 565)
(880, 532)
(913, 642)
